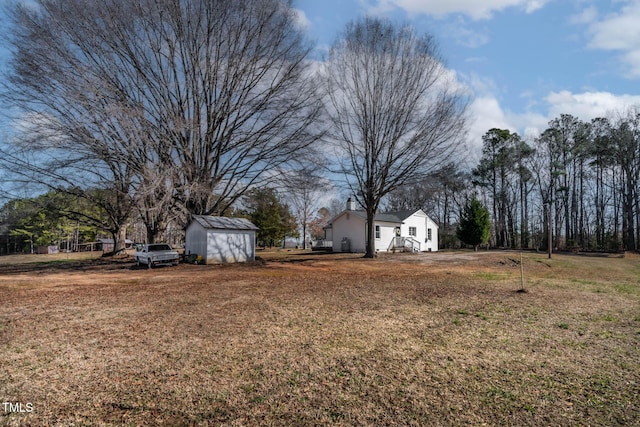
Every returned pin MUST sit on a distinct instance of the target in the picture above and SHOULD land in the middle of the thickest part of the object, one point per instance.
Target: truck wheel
(149, 264)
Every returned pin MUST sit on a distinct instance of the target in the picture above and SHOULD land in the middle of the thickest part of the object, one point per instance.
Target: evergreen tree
(52, 218)
(273, 218)
(474, 227)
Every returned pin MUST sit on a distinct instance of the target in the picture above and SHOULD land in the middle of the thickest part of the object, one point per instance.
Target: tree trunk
(119, 238)
(304, 234)
(371, 235)
(151, 236)
(446, 221)
(636, 196)
(628, 217)
(616, 210)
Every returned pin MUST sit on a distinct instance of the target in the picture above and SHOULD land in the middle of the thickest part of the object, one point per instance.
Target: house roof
(223, 223)
(397, 216)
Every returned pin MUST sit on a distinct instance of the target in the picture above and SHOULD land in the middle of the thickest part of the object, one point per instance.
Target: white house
(403, 230)
(219, 239)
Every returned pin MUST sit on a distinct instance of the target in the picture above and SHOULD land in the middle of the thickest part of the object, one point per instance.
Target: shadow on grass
(98, 264)
(304, 257)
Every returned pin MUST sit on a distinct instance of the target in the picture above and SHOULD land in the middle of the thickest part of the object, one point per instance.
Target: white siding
(387, 233)
(432, 244)
(422, 223)
(216, 246)
(352, 227)
(416, 220)
(195, 240)
(230, 246)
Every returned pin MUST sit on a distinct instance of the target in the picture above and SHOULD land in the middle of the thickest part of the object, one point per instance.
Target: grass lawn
(310, 339)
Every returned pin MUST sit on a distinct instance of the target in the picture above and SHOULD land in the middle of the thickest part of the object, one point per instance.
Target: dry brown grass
(308, 339)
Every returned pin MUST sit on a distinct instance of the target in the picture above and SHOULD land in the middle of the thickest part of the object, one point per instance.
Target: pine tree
(474, 227)
(273, 218)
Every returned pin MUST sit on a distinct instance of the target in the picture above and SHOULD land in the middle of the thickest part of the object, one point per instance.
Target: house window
(377, 231)
(413, 231)
(428, 234)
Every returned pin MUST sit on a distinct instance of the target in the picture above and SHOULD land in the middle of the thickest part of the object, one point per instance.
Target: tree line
(59, 219)
(579, 178)
(28, 223)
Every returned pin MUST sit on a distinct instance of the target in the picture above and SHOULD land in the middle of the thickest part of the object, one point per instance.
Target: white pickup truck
(156, 254)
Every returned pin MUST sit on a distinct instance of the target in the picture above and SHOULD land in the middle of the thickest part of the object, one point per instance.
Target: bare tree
(234, 98)
(217, 90)
(304, 190)
(156, 203)
(626, 136)
(317, 224)
(395, 114)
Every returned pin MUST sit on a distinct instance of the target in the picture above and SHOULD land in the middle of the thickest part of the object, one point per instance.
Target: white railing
(405, 244)
(412, 244)
(396, 243)
(322, 244)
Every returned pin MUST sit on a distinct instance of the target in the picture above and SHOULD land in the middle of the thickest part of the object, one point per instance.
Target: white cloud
(589, 105)
(587, 16)
(633, 59)
(466, 36)
(533, 5)
(485, 112)
(476, 59)
(301, 20)
(620, 32)
(476, 9)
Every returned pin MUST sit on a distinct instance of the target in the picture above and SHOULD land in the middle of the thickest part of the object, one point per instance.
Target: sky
(523, 62)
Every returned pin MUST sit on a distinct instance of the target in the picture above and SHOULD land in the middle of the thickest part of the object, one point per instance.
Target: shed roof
(223, 223)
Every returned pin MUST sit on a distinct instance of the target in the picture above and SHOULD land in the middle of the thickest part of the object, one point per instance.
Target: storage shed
(220, 239)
